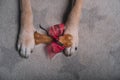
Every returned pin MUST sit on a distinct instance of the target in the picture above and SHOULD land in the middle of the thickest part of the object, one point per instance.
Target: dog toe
(70, 51)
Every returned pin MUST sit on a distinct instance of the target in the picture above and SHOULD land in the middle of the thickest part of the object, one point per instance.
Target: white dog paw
(73, 49)
(26, 43)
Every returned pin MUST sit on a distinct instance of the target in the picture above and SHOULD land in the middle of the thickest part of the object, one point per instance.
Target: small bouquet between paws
(55, 39)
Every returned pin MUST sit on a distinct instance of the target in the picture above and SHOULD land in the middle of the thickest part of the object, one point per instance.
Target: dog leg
(72, 25)
(26, 37)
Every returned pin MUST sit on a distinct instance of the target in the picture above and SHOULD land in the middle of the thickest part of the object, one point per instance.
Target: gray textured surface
(98, 57)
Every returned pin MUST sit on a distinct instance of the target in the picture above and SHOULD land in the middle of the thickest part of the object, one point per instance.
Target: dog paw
(73, 49)
(26, 43)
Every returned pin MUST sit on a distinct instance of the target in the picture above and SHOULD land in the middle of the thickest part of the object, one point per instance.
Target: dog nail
(31, 51)
(70, 55)
(75, 48)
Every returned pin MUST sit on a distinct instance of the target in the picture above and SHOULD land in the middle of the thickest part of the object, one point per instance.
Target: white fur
(26, 43)
(74, 32)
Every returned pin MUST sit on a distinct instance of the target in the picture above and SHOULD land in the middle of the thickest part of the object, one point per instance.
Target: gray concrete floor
(98, 56)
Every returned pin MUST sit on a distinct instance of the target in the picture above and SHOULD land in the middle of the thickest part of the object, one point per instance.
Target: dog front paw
(74, 32)
(26, 43)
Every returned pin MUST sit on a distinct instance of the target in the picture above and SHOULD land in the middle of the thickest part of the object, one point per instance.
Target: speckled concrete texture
(98, 56)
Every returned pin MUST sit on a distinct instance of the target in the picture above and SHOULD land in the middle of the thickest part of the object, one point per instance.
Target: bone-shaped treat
(66, 39)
